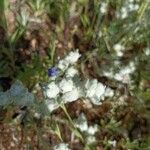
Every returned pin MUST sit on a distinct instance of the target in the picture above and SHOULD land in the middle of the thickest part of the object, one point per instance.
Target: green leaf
(85, 20)
(144, 95)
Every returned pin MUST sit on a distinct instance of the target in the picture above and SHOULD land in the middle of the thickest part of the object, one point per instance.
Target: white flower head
(109, 92)
(92, 129)
(124, 74)
(81, 122)
(90, 139)
(63, 65)
(96, 101)
(100, 90)
(52, 91)
(94, 91)
(52, 104)
(113, 143)
(72, 57)
(124, 12)
(71, 72)
(103, 8)
(119, 49)
(131, 1)
(147, 51)
(109, 73)
(37, 115)
(124, 78)
(61, 146)
(90, 87)
(133, 7)
(66, 85)
(128, 69)
(71, 96)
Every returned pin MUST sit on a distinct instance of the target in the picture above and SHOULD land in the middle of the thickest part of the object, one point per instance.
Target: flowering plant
(65, 84)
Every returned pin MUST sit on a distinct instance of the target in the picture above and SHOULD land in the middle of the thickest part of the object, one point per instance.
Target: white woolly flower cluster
(147, 51)
(70, 59)
(67, 87)
(103, 8)
(119, 49)
(123, 75)
(128, 7)
(96, 91)
(61, 146)
(113, 143)
(83, 126)
(52, 90)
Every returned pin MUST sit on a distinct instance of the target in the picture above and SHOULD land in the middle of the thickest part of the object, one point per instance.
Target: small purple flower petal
(52, 72)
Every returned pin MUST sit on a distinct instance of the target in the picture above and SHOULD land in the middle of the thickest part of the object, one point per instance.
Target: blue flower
(52, 72)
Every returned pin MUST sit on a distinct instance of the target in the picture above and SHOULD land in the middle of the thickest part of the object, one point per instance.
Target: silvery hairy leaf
(16, 95)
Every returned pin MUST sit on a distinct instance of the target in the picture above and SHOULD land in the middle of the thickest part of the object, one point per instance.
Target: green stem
(68, 116)
(142, 10)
